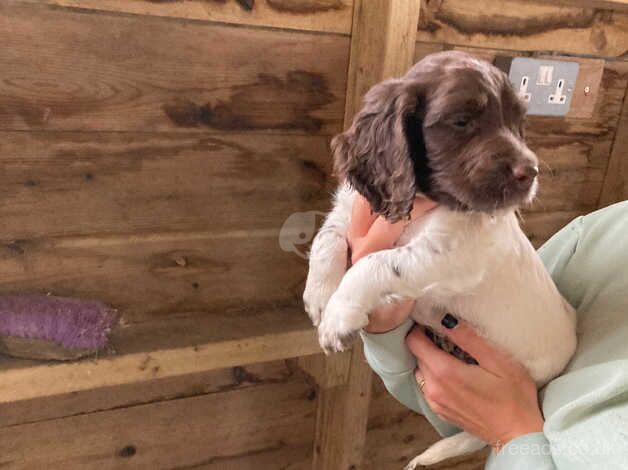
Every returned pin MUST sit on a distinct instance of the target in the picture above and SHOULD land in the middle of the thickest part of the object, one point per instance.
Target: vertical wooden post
(615, 186)
(382, 45)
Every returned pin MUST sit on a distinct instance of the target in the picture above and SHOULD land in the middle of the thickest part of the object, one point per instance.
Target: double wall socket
(547, 85)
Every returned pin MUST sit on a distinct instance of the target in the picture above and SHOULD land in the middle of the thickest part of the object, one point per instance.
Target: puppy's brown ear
(373, 155)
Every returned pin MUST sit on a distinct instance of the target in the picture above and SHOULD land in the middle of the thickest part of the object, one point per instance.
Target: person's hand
(421, 206)
(495, 400)
(388, 317)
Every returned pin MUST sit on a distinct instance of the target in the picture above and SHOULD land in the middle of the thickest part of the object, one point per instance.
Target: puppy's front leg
(431, 263)
(328, 256)
(368, 284)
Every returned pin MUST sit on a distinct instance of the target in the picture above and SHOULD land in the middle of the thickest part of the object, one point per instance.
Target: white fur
(478, 266)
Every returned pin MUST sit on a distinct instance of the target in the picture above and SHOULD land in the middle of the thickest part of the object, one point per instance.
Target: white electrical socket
(558, 96)
(523, 88)
(547, 85)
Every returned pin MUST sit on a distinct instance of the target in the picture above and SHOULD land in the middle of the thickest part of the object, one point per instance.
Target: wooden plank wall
(238, 418)
(150, 160)
(149, 154)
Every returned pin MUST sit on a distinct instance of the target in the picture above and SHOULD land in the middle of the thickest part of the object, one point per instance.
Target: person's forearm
(382, 235)
(391, 360)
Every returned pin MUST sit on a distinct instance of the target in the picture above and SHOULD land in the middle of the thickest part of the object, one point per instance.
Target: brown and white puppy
(451, 129)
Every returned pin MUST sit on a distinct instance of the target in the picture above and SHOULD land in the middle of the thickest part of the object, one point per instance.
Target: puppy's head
(451, 128)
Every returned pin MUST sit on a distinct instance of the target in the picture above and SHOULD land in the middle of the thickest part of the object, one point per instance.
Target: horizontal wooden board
(160, 276)
(72, 70)
(189, 303)
(67, 184)
(525, 26)
(332, 16)
(247, 428)
(146, 353)
(619, 5)
(107, 398)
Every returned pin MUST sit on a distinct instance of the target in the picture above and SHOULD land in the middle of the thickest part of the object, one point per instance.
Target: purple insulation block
(71, 323)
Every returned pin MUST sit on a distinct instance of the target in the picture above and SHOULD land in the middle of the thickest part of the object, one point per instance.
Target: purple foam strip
(72, 323)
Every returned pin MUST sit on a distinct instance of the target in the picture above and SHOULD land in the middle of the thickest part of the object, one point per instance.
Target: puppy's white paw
(340, 325)
(334, 341)
(416, 463)
(328, 265)
(316, 296)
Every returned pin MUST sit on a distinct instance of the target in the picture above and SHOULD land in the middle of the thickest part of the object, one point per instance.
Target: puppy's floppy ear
(374, 155)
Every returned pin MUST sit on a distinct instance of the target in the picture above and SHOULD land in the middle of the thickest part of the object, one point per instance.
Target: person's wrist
(535, 425)
(376, 326)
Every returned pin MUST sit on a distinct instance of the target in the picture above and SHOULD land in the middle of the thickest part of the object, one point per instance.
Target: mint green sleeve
(556, 255)
(528, 452)
(389, 358)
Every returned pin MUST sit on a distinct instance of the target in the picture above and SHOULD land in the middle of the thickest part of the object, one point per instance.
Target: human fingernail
(449, 321)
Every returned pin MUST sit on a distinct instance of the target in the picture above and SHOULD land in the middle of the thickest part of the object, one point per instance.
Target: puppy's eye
(461, 121)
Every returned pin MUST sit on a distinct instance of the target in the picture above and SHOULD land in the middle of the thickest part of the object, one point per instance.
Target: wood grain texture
(541, 226)
(189, 302)
(327, 371)
(26, 380)
(382, 46)
(618, 5)
(69, 184)
(160, 276)
(575, 153)
(169, 388)
(342, 417)
(252, 427)
(589, 78)
(397, 434)
(333, 16)
(72, 70)
(615, 187)
(525, 26)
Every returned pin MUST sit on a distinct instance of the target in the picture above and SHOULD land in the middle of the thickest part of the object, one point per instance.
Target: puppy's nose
(525, 173)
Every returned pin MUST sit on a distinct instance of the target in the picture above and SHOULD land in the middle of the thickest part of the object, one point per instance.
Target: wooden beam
(342, 419)
(615, 186)
(617, 5)
(161, 75)
(310, 15)
(382, 46)
(266, 426)
(42, 380)
(327, 371)
(525, 26)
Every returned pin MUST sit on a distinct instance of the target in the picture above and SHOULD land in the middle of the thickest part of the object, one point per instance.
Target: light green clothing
(586, 408)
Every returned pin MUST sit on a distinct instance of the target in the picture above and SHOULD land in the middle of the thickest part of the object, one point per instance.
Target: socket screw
(587, 90)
